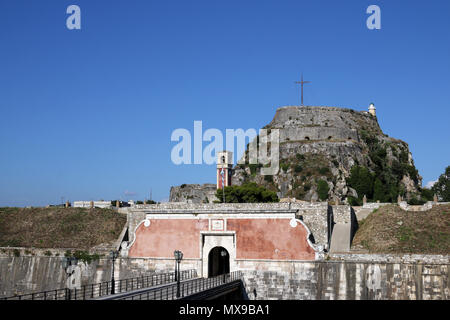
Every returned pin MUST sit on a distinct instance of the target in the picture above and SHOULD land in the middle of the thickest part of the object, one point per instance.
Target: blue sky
(88, 114)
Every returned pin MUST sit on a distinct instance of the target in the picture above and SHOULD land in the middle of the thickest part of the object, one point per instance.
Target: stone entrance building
(218, 238)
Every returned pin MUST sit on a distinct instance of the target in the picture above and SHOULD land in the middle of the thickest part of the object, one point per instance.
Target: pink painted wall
(272, 239)
(164, 236)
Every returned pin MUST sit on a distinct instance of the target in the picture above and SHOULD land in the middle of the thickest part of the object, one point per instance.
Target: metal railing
(92, 291)
(187, 288)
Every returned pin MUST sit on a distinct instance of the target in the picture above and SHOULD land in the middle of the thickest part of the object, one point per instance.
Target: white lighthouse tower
(372, 110)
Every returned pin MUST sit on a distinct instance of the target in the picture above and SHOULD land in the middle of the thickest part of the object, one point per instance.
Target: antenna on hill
(301, 83)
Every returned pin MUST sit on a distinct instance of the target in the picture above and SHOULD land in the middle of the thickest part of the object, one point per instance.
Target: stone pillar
(399, 199)
(435, 199)
(117, 204)
(91, 204)
(364, 200)
(67, 204)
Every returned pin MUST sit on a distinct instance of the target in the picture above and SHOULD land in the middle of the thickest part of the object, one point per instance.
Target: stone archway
(214, 240)
(218, 262)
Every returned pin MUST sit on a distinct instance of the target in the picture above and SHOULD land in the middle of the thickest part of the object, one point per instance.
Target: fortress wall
(349, 280)
(295, 116)
(317, 133)
(26, 273)
(359, 277)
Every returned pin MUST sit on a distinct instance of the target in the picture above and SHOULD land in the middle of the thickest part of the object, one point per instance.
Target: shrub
(298, 168)
(354, 201)
(284, 166)
(322, 189)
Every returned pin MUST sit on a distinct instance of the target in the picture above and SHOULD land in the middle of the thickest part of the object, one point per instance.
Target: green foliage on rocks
(322, 189)
(442, 187)
(247, 193)
(284, 166)
(82, 256)
(361, 179)
(383, 180)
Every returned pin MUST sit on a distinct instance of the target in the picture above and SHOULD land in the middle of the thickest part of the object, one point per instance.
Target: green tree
(442, 187)
(247, 193)
(379, 192)
(361, 180)
(322, 189)
(426, 194)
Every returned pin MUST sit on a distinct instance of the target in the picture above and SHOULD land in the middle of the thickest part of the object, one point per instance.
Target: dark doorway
(218, 261)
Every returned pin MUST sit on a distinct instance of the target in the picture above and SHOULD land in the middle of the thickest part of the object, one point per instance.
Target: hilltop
(319, 148)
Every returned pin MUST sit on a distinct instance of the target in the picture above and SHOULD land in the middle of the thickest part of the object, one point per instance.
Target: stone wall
(28, 273)
(371, 277)
(347, 280)
(35, 273)
(318, 133)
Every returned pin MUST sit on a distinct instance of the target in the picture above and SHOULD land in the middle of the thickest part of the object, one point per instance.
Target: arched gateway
(218, 261)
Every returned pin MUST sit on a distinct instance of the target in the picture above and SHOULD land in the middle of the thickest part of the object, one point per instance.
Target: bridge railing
(187, 288)
(92, 291)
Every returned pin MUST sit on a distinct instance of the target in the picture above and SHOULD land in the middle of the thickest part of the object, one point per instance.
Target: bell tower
(224, 166)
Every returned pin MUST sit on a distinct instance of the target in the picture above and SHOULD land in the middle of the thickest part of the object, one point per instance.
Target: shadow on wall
(330, 225)
(354, 224)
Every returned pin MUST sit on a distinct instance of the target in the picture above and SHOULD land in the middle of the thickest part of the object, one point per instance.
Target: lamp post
(223, 253)
(178, 257)
(67, 262)
(113, 255)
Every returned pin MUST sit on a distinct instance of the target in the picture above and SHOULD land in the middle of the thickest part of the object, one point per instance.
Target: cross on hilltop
(301, 83)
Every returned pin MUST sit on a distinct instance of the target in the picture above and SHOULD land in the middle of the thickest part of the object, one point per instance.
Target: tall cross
(301, 83)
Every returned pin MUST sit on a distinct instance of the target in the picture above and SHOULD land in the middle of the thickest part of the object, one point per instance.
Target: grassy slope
(393, 230)
(59, 227)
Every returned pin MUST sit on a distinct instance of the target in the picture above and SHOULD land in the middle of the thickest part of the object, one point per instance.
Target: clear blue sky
(88, 114)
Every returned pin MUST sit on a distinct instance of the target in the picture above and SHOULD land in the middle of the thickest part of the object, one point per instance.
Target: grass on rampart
(59, 227)
(391, 229)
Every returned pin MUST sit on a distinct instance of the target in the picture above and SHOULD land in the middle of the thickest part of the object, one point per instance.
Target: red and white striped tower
(224, 166)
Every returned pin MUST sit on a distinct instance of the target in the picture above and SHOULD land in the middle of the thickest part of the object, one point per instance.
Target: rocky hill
(193, 193)
(325, 143)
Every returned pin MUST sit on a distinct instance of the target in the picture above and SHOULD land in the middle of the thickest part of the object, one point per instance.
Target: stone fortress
(293, 249)
(326, 137)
